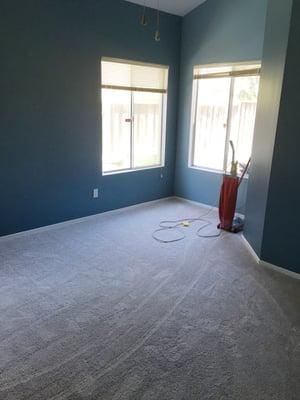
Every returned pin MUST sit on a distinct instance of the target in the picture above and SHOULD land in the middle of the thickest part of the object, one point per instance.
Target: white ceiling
(177, 7)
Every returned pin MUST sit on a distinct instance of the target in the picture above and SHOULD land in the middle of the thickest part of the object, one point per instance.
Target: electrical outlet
(96, 193)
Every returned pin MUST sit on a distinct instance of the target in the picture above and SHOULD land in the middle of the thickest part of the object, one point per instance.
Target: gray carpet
(99, 310)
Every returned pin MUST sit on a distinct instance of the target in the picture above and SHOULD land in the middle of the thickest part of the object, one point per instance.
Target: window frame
(163, 135)
(193, 115)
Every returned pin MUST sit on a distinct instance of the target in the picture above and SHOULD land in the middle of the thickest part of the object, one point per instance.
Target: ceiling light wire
(157, 32)
(143, 18)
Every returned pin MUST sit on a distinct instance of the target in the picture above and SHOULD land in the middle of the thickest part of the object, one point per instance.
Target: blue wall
(273, 64)
(50, 150)
(280, 244)
(216, 32)
(50, 125)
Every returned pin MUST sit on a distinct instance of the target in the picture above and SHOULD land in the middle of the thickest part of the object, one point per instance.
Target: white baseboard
(250, 249)
(75, 221)
(197, 203)
(284, 271)
(265, 264)
(205, 205)
(89, 217)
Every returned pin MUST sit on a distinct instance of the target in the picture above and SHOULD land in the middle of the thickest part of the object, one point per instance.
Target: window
(134, 98)
(223, 109)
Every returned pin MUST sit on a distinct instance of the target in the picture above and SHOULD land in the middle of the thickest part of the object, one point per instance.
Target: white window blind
(134, 76)
(226, 71)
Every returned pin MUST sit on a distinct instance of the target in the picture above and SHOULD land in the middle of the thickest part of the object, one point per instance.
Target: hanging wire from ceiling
(157, 32)
(144, 20)
(143, 17)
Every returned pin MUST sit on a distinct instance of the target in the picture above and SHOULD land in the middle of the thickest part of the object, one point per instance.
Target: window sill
(215, 171)
(125, 171)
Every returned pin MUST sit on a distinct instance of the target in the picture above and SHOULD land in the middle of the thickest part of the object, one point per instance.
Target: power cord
(176, 225)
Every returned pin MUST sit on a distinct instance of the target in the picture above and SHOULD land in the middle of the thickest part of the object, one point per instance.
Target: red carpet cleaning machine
(228, 198)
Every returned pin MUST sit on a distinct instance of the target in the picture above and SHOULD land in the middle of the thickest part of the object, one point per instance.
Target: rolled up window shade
(120, 75)
(226, 71)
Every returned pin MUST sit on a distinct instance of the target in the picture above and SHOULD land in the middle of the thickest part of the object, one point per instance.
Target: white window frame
(161, 164)
(228, 122)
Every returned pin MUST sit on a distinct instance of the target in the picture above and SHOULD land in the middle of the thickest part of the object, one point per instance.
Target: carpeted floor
(99, 310)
